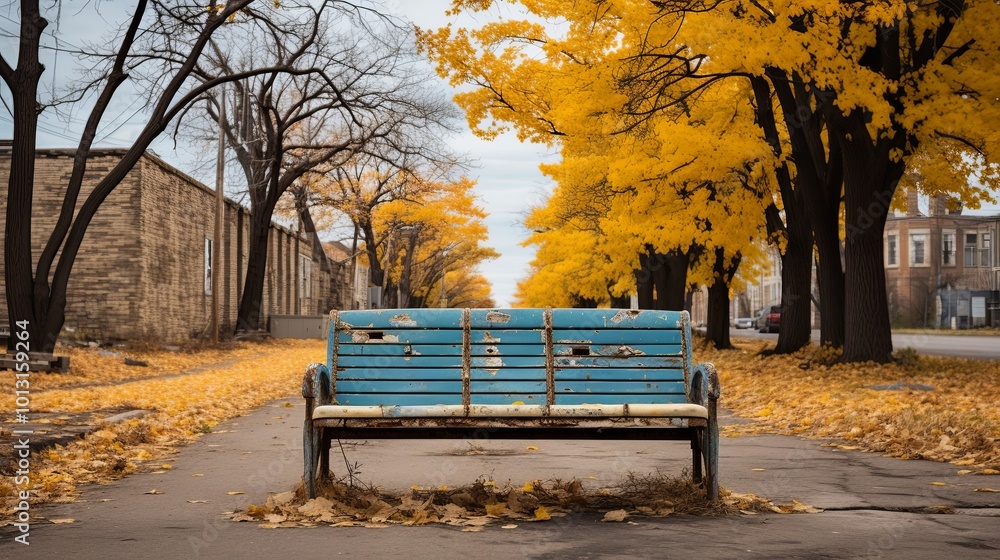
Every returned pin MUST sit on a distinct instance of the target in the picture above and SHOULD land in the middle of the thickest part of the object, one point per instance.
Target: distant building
(144, 269)
(356, 288)
(942, 269)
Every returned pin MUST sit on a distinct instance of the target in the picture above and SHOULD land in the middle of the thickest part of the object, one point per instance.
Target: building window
(986, 251)
(208, 266)
(305, 289)
(918, 249)
(891, 251)
(970, 249)
(948, 248)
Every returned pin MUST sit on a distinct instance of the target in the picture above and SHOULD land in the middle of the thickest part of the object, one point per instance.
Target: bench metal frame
(701, 388)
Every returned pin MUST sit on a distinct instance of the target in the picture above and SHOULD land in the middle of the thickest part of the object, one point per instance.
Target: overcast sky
(509, 181)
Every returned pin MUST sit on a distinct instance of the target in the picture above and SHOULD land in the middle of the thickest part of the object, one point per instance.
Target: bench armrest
(704, 384)
(317, 383)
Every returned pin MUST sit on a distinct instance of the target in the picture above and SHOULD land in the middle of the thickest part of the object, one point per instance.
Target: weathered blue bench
(510, 374)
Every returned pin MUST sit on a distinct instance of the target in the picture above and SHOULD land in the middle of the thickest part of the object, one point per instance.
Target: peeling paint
(624, 314)
(497, 317)
(492, 350)
(628, 351)
(402, 320)
(490, 339)
(493, 362)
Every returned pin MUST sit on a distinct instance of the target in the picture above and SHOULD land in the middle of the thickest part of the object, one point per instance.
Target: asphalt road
(874, 506)
(957, 346)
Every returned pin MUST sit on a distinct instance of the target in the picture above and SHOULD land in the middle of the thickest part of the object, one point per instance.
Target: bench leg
(324, 454)
(309, 459)
(696, 455)
(710, 450)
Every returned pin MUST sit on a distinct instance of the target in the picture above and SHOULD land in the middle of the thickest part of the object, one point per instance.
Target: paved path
(874, 504)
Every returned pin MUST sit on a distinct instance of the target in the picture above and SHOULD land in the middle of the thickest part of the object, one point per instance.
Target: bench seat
(674, 410)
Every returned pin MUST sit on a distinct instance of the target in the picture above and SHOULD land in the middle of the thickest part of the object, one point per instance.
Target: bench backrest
(529, 356)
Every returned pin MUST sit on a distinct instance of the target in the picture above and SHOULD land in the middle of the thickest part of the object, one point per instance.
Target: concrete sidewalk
(876, 506)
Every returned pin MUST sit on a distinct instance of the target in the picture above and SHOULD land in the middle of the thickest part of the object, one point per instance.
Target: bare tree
(36, 299)
(342, 84)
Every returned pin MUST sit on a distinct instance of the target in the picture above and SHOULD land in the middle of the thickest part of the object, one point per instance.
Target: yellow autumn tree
(860, 92)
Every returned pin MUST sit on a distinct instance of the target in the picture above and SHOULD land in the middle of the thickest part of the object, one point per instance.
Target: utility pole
(220, 166)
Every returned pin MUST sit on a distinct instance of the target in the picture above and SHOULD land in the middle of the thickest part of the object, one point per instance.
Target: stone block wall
(140, 273)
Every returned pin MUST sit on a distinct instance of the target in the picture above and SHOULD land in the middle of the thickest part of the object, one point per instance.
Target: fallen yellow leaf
(154, 491)
(528, 488)
(60, 521)
(986, 490)
(531, 448)
(236, 493)
(542, 514)
(166, 467)
(616, 516)
(938, 484)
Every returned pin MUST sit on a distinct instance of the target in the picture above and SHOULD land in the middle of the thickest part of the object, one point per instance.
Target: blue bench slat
(496, 398)
(513, 374)
(616, 336)
(504, 336)
(618, 349)
(526, 387)
(403, 373)
(620, 387)
(595, 362)
(508, 361)
(591, 398)
(399, 386)
(400, 361)
(594, 374)
(615, 318)
(632, 362)
(402, 399)
(402, 318)
(506, 318)
(387, 349)
(504, 349)
(404, 336)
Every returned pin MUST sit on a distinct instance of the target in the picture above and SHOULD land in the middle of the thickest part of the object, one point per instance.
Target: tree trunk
(818, 178)
(621, 302)
(249, 314)
(796, 280)
(584, 303)
(644, 283)
(866, 303)
(22, 308)
(830, 277)
(675, 295)
(669, 275)
(870, 179)
(717, 328)
(796, 261)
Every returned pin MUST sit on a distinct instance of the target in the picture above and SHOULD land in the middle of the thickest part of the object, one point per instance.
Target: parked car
(743, 322)
(769, 319)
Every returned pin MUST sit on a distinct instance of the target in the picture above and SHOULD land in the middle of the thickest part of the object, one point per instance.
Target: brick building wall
(140, 272)
(928, 253)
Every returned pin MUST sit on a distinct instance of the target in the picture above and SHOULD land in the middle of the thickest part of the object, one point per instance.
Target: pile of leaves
(182, 408)
(921, 407)
(487, 502)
